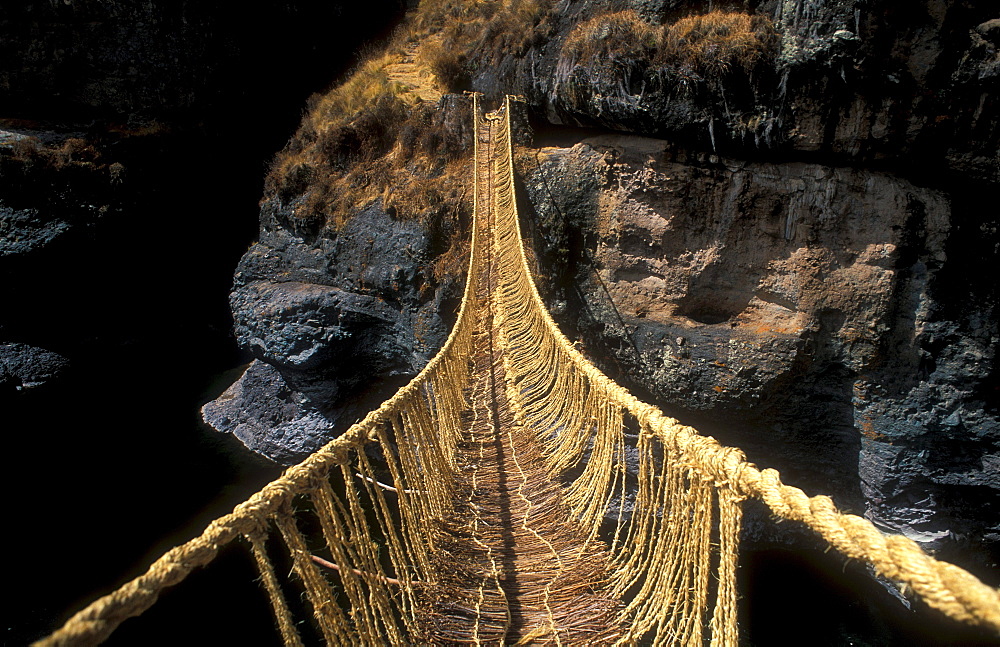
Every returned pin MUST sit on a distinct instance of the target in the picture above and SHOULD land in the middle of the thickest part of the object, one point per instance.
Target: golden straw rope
(392, 529)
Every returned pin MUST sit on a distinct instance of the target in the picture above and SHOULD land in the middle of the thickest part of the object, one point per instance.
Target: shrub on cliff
(369, 139)
(716, 42)
(690, 50)
(620, 36)
(70, 152)
(68, 172)
(452, 31)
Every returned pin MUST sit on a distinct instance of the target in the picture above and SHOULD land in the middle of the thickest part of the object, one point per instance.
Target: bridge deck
(475, 544)
(518, 567)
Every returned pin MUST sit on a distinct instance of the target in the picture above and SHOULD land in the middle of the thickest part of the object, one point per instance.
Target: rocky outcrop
(799, 268)
(786, 308)
(56, 186)
(866, 82)
(123, 124)
(56, 190)
(333, 322)
(26, 367)
(795, 264)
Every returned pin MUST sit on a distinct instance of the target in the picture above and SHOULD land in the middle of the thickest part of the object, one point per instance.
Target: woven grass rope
(498, 498)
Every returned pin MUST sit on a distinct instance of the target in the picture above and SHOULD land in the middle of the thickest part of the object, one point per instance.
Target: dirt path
(414, 75)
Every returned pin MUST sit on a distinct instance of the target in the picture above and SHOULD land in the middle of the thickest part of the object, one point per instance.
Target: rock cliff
(335, 325)
(769, 220)
(795, 310)
(126, 129)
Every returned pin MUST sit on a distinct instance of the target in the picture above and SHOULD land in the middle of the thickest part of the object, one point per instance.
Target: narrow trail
(416, 77)
(519, 568)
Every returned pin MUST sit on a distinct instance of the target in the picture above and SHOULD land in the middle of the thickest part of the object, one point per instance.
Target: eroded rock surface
(28, 367)
(798, 265)
(848, 80)
(793, 310)
(329, 319)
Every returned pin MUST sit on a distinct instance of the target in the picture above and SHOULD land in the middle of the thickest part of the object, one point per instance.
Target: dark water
(115, 471)
(820, 599)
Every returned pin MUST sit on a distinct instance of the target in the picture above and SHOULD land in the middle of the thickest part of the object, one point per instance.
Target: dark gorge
(771, 219)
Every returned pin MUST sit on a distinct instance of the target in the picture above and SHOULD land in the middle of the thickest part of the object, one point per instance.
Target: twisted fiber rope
(98, 620)
(286, 625)
(663, 554)
(571, 406)
(941, 585)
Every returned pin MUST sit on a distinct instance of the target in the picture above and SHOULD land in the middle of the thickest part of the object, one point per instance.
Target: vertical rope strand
(563, 417)
(725, 631)
(334, 626)
(282, 615)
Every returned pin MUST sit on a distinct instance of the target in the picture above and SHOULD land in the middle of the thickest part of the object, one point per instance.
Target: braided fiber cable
(512, 493)
(942, 586)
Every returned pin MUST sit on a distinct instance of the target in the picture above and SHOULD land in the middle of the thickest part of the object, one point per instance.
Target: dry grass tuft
(338, 148)
(369, 84)
(513, 29)
(370, 138)
(717, 42)
(446, 61)
(621, 35)
(703, 46)
(72, 173)
(390, 149)
(493, 30)
(72, 152)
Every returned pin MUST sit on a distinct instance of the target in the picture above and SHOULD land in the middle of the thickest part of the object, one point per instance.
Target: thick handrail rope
(99, 619)
(656, 560)
(941, 585)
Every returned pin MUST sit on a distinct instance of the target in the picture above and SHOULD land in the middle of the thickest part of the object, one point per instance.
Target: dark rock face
(328, 319)
(866, 82)
(62, 49)
(56, 187)
(792, 310)
(27, 367)
(797, 267)
(55, 192)
(303, 326)
(113, 115)
(824, 310)
(173, 62)
(929, 413)
(33, 231)
(268, 416)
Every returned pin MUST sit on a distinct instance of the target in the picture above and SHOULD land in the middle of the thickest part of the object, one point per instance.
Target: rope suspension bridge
(513, 494)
